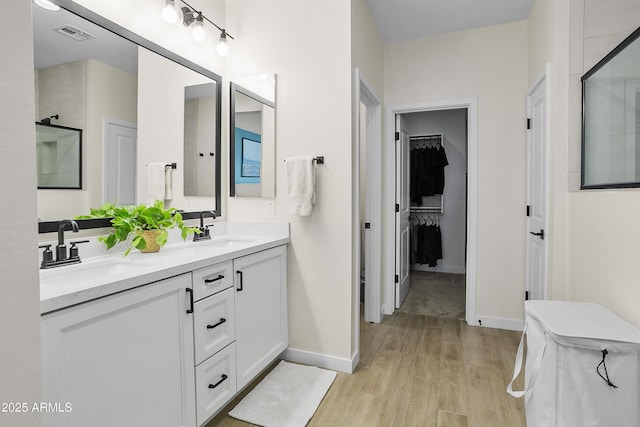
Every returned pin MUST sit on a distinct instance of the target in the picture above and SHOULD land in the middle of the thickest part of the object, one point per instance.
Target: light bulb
(222, 47)
(198, 33)
(169, 13)
(46, 4)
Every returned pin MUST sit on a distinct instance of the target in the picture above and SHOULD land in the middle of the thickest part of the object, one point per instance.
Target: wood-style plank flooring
(418, 370)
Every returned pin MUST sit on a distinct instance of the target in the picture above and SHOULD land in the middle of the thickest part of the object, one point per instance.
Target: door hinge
(528, 210)
(367, 225)
(397, 278)
(397, 207)
(397, 136)
(526, 295)
(528, 123)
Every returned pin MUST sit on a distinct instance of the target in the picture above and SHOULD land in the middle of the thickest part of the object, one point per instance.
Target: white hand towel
(168, 183)
(155, 181)
(301, 184)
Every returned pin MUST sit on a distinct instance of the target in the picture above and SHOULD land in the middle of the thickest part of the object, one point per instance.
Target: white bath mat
(287, 397)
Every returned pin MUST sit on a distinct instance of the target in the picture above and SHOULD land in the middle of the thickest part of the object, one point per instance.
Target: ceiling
(52, 48)
(399, 20)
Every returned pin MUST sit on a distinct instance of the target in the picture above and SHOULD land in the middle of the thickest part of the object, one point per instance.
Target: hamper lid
(576, 322)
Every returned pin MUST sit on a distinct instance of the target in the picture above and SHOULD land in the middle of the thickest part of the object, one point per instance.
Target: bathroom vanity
(164, 339)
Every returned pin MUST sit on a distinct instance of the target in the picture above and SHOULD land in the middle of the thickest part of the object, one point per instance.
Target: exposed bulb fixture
(46, 4)
(198, 33)
(169, 12)
(194, 20)
(223, 47)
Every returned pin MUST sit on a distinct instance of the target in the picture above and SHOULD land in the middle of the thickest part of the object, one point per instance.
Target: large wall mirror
(137, 105)
(252, 137)
(611, 119)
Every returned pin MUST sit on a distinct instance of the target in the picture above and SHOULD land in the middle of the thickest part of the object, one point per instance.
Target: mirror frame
(52, 226)
(236, 88)
(604, 61)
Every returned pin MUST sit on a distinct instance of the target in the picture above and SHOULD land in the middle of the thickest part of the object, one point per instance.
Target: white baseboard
(499, 323)
(321, 360)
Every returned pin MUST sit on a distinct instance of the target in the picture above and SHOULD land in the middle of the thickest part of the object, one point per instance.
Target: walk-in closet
(438, 191)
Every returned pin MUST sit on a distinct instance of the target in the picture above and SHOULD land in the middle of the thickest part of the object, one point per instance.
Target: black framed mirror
(611, 119)
(154, 54)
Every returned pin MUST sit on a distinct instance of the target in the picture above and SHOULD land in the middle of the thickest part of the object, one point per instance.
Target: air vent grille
(74, 33)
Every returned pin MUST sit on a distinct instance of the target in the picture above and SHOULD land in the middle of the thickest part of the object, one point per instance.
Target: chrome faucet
(204, 229)
(61, 248)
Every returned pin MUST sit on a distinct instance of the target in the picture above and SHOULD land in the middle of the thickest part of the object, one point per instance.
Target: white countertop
(109, 273)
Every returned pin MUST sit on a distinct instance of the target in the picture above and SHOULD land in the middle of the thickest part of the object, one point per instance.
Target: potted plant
(147, 225)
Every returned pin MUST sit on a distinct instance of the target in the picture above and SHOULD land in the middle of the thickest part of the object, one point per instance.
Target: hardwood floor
(418, 370)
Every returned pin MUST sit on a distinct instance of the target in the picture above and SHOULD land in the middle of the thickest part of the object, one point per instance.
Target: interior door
(536, 192)
(403, 239)
(120, 163)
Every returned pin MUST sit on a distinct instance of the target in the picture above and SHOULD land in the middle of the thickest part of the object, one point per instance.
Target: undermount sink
(229, 242)
(103, 268)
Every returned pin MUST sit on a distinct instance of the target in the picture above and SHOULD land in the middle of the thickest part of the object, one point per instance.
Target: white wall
(603, 246)
(19, 294)
(490, 64)
(304, 44)
(452, 124)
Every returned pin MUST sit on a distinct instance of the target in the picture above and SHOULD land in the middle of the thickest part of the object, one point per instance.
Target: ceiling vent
(74, 33)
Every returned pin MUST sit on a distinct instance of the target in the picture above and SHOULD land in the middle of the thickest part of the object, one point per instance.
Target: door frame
(373, 310)
(471, 105)
(543, 77)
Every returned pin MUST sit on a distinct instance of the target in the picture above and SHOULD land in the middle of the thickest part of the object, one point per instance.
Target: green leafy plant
(131, 221)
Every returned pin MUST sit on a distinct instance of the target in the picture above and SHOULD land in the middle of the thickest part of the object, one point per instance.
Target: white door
(536, 191)
(403, 240)
(120, 163)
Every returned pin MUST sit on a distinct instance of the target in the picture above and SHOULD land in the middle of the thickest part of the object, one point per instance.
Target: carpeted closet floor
(436, 294)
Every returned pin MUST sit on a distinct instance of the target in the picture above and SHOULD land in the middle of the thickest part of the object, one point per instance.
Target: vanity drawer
(209, 280)
(215, 382)
(214, 324)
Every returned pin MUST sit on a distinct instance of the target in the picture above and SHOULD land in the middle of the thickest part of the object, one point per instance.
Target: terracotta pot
(150, 237)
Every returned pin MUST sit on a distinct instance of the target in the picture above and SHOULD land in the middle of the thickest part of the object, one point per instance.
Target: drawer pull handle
(190, 292)
(222, 320)
(220, 277)
(224, 377)
(241, 281)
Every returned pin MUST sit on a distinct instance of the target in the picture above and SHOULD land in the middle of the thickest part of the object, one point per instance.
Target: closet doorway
(437, 213)
(440, 252)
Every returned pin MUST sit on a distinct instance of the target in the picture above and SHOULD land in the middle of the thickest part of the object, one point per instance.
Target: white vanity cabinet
(122, 360)
(261, 311)
(170, 353)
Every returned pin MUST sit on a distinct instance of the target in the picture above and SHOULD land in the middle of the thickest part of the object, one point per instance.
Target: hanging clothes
(427, 172)
(426, 244)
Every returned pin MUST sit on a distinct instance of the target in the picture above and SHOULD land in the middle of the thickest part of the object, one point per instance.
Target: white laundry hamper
(582, 367)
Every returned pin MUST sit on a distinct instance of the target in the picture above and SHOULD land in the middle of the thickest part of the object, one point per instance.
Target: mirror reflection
(59, 155)
(130, 104)
(611, 119)
(199, 139)
(252, 141)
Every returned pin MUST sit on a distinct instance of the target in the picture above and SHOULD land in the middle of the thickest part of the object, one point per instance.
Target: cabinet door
(261, 311)
(122, 360)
